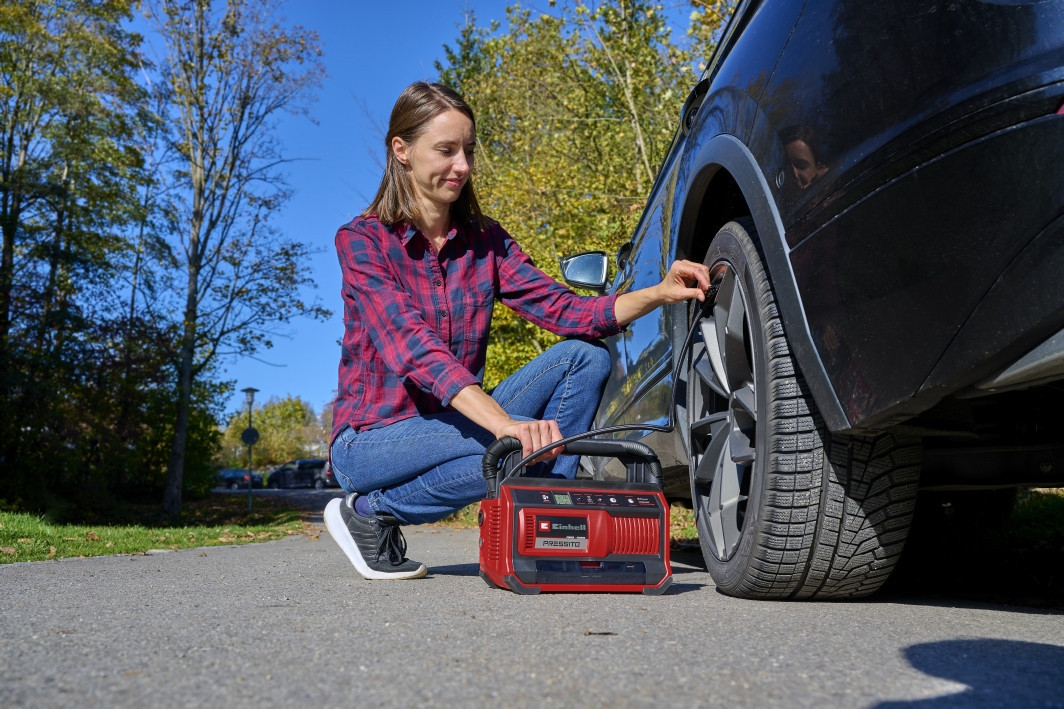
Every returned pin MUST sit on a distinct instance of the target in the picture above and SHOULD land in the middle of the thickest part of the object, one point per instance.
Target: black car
(878, 191)
(237, 478)
(304, 472)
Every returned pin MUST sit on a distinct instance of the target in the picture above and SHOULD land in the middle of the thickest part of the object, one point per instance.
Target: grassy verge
(218, 520)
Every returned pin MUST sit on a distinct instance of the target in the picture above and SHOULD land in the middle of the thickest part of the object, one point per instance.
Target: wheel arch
(728, 184)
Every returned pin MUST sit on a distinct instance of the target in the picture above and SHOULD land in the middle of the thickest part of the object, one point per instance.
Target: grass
(217, 520)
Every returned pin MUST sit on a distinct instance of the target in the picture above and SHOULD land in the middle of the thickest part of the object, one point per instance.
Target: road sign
(250, 436)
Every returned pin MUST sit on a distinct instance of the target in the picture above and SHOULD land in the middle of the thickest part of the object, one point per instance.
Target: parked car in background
(328, 479)
(237, 478)
(877, 189)
(303, 472)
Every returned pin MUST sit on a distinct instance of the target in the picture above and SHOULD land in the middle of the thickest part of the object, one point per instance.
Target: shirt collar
(410, 230)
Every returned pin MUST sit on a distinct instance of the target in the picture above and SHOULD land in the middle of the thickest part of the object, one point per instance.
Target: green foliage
(575, 110)
(288, 429)
(68, 160)
(97, 350)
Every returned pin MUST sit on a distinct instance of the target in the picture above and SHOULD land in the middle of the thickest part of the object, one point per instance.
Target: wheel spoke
(717, 427)
(742, 413)
(742, 451)
(719, 382)
(745, 398)
(725, 513)
(729, 314)
(704, 428)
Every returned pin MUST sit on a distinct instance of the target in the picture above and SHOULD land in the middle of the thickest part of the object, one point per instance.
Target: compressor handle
(633, 453)
(495, 452)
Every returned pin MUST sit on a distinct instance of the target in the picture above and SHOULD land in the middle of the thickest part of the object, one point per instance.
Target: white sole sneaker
(334, 522)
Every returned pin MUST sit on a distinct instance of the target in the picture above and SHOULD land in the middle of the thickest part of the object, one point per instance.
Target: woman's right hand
(489, 414)
(533, 436)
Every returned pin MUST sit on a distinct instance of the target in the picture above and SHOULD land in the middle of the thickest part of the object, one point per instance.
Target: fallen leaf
(24, 540)
(92, 536)
(51, 551)
(10, 551)
(109, 544)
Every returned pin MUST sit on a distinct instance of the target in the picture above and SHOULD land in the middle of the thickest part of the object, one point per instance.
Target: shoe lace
(391, 544)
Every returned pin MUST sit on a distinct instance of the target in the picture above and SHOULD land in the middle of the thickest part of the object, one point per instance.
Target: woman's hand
(533, 436)
(484, 411)
(684, 281)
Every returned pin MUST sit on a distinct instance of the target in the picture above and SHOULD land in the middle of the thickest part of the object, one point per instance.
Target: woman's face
(440, 160)
(803, 163)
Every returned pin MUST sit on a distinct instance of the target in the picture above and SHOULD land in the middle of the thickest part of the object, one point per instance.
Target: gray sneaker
(375, 545)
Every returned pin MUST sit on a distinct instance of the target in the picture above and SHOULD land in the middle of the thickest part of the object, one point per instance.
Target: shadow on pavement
(997, 673)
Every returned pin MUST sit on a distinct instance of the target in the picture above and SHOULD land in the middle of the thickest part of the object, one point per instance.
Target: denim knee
(593, 356)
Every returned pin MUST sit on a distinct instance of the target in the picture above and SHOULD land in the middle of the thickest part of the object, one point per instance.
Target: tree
(231, 69)
(288, 428)
(68, 158)
(575, 111)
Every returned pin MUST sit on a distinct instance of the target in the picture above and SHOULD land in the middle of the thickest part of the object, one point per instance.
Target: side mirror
(586, 270)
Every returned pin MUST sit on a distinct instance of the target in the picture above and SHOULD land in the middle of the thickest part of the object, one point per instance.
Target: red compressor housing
(552, 534)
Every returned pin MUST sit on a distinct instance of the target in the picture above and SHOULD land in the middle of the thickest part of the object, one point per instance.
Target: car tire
(319, 484)
(274, 485)
(234, 486)
(783, 508)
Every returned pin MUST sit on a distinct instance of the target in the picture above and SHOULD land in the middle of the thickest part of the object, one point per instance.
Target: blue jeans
(424, 468)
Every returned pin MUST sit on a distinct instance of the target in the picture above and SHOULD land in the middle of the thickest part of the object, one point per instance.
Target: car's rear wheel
(783, 509)
(319, 484)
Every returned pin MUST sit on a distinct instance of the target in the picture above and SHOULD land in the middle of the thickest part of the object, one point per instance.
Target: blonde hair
(413, 110)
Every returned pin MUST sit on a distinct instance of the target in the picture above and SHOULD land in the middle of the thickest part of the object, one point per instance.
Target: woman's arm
(684, 281)
(477, 406)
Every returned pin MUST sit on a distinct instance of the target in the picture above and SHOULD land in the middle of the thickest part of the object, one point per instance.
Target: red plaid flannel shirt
(416, 321)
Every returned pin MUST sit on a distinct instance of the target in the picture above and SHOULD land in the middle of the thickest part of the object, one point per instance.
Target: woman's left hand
(684, 281)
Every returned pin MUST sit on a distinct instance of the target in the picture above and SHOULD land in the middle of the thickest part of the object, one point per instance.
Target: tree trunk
(175, 472)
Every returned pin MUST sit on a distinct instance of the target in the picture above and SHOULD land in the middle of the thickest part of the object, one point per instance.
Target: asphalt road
(290, 624)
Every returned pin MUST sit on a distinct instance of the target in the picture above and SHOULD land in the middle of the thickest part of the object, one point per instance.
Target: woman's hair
(414, 109)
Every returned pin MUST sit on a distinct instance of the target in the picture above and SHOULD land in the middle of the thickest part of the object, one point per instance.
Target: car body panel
(303, 472)
(918, 257)
(239, 476)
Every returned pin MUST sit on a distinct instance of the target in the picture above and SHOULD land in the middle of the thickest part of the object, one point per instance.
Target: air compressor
(542, 534)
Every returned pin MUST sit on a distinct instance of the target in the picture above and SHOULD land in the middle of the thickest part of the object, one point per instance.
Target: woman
(422, 268)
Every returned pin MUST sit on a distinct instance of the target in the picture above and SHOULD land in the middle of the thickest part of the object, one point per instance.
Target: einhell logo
(562, 532)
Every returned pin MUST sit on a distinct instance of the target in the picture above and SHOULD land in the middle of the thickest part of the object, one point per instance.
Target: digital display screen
(562, 498)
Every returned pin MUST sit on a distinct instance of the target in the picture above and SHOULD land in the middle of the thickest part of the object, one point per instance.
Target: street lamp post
(250, 435)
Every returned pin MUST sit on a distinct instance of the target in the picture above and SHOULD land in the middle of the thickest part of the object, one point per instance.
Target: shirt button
(437, 283)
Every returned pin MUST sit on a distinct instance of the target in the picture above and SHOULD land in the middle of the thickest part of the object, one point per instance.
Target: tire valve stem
(711, 292)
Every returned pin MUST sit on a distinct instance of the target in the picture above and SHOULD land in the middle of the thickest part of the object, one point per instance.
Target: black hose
(711, 298)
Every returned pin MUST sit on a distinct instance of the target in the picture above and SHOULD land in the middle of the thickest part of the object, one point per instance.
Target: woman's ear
(399, 149)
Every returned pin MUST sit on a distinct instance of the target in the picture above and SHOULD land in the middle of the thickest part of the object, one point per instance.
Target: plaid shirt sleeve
(542, 300)
(390, 318)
